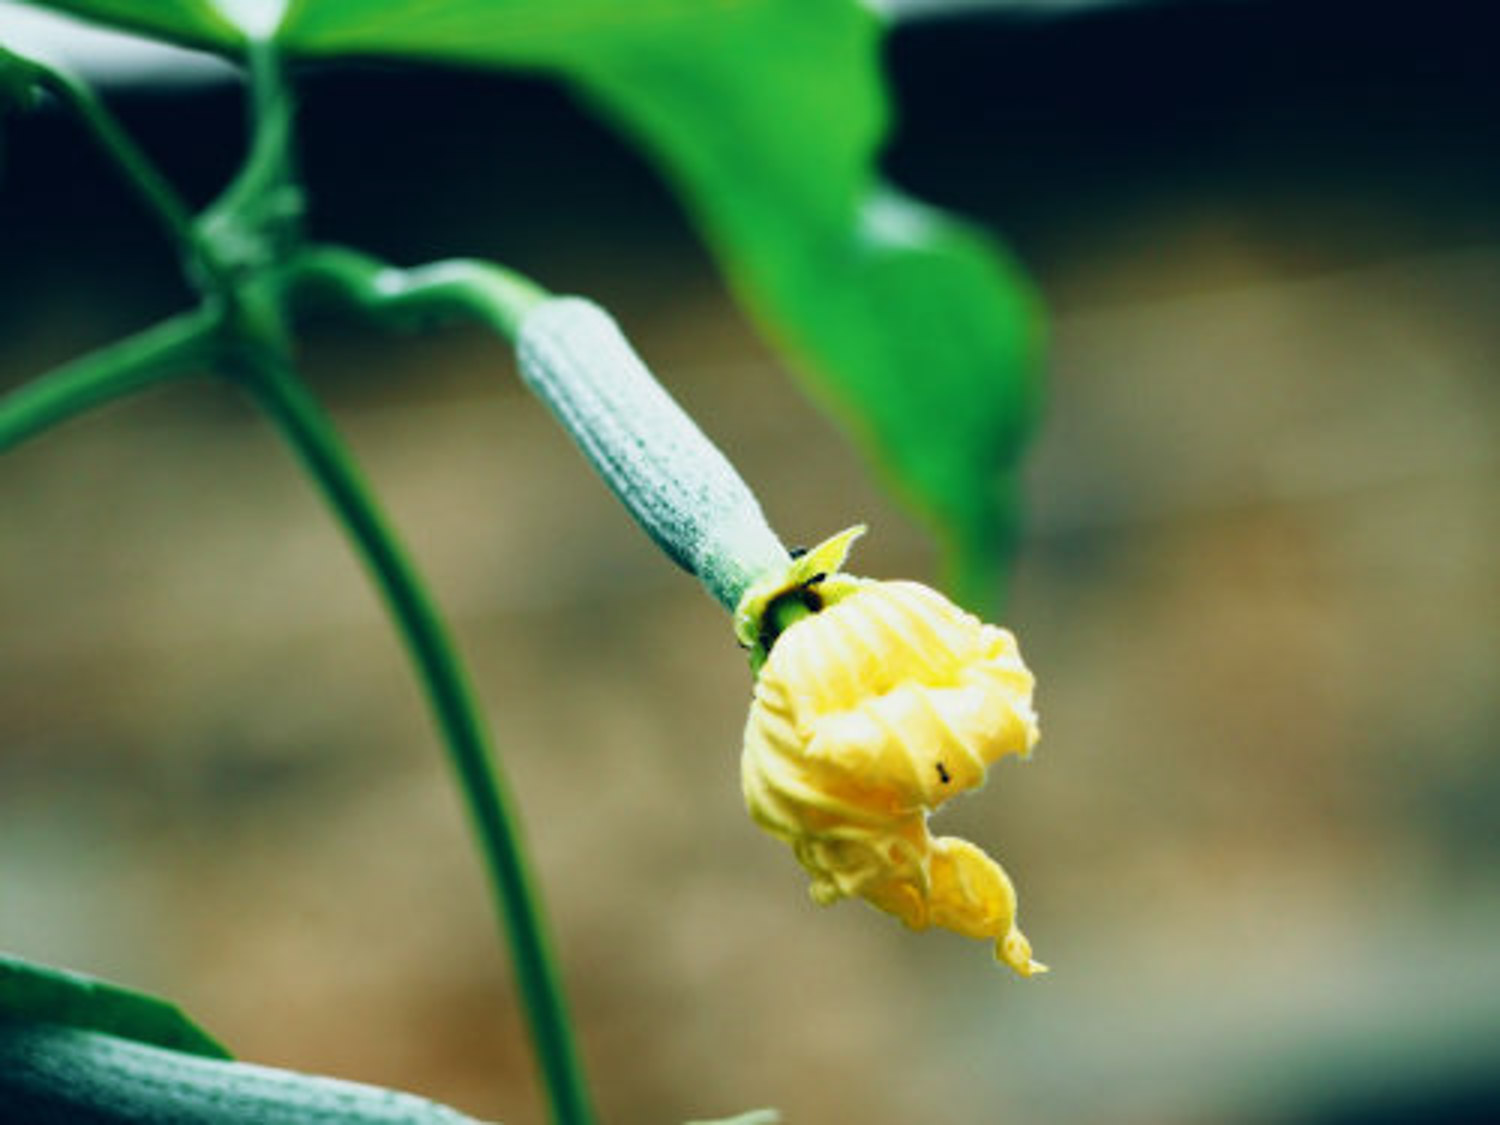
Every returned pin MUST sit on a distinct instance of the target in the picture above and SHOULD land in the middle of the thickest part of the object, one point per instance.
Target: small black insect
(943, 773)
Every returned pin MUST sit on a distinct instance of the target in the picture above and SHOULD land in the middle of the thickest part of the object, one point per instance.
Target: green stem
(255, 224)
(173, 348)
(459, 287)
(270, 110)
(160, 198)
(310, 432)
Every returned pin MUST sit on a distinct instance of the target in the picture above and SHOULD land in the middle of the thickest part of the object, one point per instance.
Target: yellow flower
(878, 702)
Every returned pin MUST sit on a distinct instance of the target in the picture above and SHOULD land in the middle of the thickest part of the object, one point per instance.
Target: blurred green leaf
(194, 22)
(38, 994)
(486, 32)
(17, 81)
(767, 114)
(927, 340)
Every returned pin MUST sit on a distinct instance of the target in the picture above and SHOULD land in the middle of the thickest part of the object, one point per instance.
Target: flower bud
(869, 713)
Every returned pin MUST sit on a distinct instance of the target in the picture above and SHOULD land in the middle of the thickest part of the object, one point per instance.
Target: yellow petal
(871, 713)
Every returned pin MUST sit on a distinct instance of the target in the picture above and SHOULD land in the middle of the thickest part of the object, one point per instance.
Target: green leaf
(50, 1075)
(17, 82)
(192, 22)
(914, 328)
(924, 339)
(38, 994)
(767, 115)
(486, 32)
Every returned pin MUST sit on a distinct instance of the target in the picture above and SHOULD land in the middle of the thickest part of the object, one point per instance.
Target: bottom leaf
(35, 993)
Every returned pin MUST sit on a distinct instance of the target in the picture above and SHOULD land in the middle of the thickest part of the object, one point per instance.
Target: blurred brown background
(1258, 842)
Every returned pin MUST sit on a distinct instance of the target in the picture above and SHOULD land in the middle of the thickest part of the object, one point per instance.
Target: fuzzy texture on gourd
(681, 490)
(867, 716)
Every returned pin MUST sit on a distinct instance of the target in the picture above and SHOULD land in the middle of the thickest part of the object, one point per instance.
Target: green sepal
(773, 601)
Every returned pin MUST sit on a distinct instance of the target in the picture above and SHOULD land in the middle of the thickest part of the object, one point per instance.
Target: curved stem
(160, 198)
(173, 348)
(458, 287)
(256, 222)
(310, 432)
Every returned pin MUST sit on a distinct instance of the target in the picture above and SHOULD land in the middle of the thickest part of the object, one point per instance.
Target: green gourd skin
(681, 490)
(55, 1075)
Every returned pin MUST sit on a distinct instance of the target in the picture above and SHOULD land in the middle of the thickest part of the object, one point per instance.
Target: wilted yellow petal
(870, 713)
